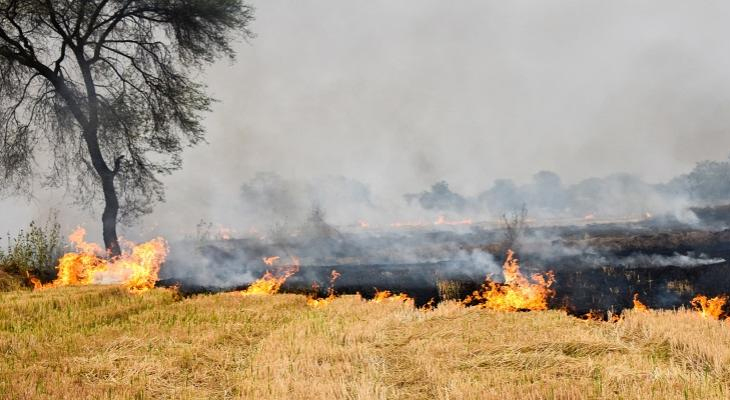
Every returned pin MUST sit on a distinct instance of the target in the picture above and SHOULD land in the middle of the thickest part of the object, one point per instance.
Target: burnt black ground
(592, 274)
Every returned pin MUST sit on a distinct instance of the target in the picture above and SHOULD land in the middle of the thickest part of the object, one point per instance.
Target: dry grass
(101, 342)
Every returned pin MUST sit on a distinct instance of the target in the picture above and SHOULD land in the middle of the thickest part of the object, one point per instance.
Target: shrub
(33, 251)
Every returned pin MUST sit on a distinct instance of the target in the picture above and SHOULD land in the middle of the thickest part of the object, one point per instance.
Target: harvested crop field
(103, 342)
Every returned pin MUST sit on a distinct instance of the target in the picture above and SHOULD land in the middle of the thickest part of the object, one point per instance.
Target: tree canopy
(106, 91)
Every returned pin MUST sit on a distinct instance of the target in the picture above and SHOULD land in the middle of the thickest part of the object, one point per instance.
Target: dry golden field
(103, 342)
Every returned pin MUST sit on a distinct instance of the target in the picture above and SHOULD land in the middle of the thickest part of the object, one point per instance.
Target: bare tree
(105, 90)
(515, 227)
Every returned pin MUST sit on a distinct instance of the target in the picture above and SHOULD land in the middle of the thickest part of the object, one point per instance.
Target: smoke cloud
(398, 96)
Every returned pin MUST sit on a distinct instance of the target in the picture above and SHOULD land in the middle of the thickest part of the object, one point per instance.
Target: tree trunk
(109, 217)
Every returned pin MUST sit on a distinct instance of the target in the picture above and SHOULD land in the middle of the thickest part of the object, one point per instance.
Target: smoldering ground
(596, 266)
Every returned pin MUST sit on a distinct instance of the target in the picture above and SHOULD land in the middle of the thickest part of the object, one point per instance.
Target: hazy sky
(399, 94)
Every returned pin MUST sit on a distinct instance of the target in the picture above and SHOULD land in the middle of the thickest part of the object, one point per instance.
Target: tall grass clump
(33, 251)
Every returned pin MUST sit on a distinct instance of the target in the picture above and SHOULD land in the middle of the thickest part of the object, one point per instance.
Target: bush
(33, 252)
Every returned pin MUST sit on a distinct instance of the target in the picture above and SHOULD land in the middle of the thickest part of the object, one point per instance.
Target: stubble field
(101, 342)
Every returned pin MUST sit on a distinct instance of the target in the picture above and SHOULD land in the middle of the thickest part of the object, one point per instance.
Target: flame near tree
(517, 292)
(137, 268)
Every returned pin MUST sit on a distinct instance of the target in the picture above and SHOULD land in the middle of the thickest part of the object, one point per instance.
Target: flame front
(638, 305)
(709, 308)
(381, 296)
(517, 292)
(442, 221)
(270, 283)
(321, 302)
(137, 269)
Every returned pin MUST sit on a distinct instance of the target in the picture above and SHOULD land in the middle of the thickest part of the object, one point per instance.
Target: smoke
(474, 91)
(467, 93)
(270, 199)
(210, 266)
(677, 260)
(474, 263)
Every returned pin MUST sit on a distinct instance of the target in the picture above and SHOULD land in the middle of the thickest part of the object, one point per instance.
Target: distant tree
(515, 228)
(105, 90)
(440, 197)
(547, 192)
(708, 182)
(504, 195)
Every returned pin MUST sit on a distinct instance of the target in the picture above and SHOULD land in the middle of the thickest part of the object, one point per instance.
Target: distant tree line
(617, 194)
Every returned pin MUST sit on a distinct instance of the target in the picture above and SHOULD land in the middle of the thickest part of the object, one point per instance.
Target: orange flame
(638, 305)
(34, 281)
(334, 275)
(225, 233)
(593, 315)
(315, 302)
(600, 316)
(270, 283)
(709, 308)
(136, 270)
(442, 221)
(381, 296)
(517, 292)
(270, 260)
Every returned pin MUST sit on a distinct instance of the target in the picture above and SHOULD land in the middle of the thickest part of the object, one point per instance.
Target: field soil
(104, 343)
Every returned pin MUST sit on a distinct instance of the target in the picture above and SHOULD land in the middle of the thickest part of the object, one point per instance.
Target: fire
(315, 302)
(363, 224)
(517, 292)
(270, 260)
(600, 316)
(270, 283)
(225, 233)
(709, 308)
(593, 315)
(34, 281)
(381, 296)
(334, 275)
(443, 221)
(137, 268)
(638, 305)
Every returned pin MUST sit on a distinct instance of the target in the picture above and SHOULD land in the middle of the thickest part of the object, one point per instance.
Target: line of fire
(590, 270)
